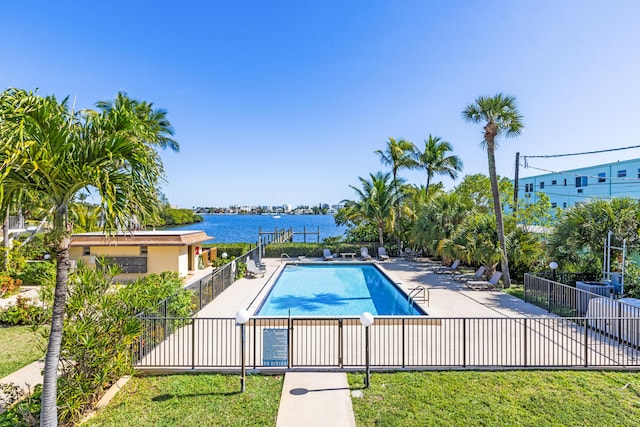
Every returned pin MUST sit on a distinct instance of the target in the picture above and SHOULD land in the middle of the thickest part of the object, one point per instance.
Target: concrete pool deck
(448, 298)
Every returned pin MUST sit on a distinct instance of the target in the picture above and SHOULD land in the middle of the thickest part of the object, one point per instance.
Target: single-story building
(143, 252)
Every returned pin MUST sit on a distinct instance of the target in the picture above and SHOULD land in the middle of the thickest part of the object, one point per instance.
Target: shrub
(35, 272)
(233, 250)
(23, 312)
(8, 285)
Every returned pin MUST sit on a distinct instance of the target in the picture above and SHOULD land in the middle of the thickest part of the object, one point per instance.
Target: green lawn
(18, 348)
(193, 400)
(507, 398)
(516, 291)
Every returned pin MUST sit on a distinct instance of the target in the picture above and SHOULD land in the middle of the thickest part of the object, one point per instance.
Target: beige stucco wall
(159, 258)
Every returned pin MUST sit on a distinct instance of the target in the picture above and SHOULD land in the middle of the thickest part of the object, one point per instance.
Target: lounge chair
(410, 254)
(448, 269)
(253, 270)
(382, 253)
(482, 285)
(327, 255)
(364, 253)
(466, 277)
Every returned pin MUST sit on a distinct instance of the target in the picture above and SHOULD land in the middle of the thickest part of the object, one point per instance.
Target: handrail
(283, 256)
(417, 292)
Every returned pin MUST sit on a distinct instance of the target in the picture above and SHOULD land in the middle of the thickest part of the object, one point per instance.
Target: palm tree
(436, 159)
(59, 153)
(399, 154)
(500, 117)
(377, 199)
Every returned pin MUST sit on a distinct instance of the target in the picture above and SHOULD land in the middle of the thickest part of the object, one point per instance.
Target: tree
(436, 159)
(58, 153)
(377, 198)
(500, 117)
(398, 154)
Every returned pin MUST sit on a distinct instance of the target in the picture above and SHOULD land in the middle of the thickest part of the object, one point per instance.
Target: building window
(541, 184)
(554, 182)
(144, 250)
(579, 190)
(554, 205)
(564, 204)
(622, 173)
(638, 172)
(581, 181)
(565, 182)
(602, 175)
(86, 251)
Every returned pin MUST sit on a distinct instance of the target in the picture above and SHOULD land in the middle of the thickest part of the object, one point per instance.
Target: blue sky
(279, 102)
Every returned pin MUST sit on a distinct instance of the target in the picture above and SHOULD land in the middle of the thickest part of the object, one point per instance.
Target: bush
(35, 272)
(233, 250)
(8, 285)
(23, 312)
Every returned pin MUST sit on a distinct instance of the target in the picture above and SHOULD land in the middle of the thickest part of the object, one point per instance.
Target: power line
(546, 156)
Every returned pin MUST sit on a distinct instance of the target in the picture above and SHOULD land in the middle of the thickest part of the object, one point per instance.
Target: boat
(276, 217)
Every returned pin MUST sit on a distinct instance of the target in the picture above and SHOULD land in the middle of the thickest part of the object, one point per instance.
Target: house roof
(144, 238)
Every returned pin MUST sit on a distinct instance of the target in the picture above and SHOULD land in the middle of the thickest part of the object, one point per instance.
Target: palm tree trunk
(49, 410)
(380, 235)
(5, 238)
(497, 207)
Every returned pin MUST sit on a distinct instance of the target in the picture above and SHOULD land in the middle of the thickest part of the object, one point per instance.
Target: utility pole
(515, 185)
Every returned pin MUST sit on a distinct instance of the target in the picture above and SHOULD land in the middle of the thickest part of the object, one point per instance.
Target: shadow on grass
(169, 396)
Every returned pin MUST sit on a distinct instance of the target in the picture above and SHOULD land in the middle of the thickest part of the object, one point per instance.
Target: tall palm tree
(377, 199)
(436, 159)
(500, 117)
(399, 154)
(59, 153)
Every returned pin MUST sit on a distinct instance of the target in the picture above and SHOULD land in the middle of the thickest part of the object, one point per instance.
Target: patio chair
(364, 253)
(382, 253)
(253, 270)
(448, 269)
(466, 277)
(485, 285)
(327, 255)
(410, 254)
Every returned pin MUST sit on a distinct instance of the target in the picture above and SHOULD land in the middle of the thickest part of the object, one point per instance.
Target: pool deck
(448, 298)
(312, 399)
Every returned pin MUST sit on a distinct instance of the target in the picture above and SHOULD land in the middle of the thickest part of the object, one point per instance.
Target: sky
(285, 102)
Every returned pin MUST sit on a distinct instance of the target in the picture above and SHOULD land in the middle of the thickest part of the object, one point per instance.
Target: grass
(513, 398)
(18, 347)
(516, 291)
(193, 400)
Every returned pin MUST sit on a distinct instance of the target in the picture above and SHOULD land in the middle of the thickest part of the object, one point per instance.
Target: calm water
(334, 290)
(244, 228)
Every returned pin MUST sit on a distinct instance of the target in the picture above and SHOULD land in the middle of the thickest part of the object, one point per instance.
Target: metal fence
(395, 343)
(568, 301)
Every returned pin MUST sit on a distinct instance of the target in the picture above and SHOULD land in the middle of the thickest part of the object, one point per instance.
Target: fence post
(200, 295)
(524, 338)
(549, 296)
(464, 343)
(193, 343)
(340, 342)
(290, 343)
(586, 342)
(403, 344)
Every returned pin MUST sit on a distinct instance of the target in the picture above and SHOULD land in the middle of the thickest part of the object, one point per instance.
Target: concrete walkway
(315, 399)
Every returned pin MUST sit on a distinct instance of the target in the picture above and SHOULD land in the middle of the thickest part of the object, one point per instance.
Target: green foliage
(8, 285)
(538, 213)
(25, 412)
(294, 250)
(173, 216)
(241, 270)
(23, 312)
(101, 328)
(477, 188)
(577, 242)
(15, 258)
(231, 249)
(34, 273)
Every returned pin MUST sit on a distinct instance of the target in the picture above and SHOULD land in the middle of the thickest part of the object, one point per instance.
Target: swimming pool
(335, 290)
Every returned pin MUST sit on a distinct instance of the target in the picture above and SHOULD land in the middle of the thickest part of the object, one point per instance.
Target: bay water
(244, 228)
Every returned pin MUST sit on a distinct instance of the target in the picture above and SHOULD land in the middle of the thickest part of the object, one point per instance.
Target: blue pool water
(335, 290)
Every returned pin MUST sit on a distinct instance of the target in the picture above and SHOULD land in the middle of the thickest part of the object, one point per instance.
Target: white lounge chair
(448, 269)
(253, 270)
(327, 255)
(482, 285)
(466, 277)
(382, 253)
(364, 253)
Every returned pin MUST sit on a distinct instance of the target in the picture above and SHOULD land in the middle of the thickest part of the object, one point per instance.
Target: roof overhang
(142, 238)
